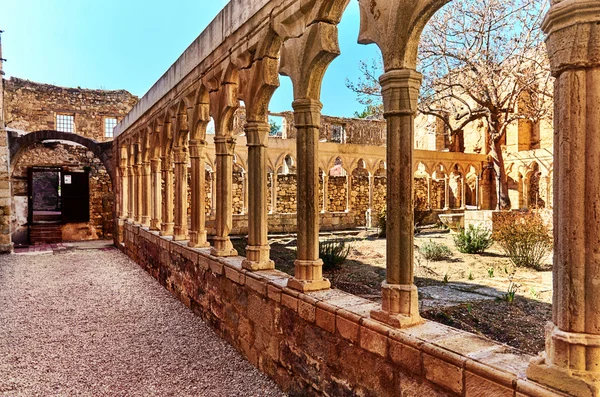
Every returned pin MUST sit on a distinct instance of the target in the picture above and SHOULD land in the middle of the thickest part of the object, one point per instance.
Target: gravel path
(92, 323)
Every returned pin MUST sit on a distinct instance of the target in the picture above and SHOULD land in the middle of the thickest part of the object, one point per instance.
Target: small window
(64, 123)
(338, 133)
(109, 125)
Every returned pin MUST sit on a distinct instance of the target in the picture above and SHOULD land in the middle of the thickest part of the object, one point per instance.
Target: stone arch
(102, 150)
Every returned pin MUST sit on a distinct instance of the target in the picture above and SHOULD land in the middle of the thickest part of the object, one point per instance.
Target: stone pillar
(349, 205)
(180, 231)
(124, 192)
(146, 196)
(166, 227)
(446, 193)
(198, 231)
(274, 192)
(138, 192)
(325, 191)
(257, 251)
(156, 193)
(225, 147)
(428, 192)
(400, 307)
(308, 272)
(462, 193)
(130, 191)
(571, 362)
(477, 192)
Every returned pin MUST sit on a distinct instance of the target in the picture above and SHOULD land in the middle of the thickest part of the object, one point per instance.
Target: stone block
(307, 311)
(325, 319)
(407, 357)
(289, 301)
(476, 386)
(347, 329)
(444, 374)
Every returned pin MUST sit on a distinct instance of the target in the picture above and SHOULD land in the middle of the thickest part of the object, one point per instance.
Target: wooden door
(75, 192)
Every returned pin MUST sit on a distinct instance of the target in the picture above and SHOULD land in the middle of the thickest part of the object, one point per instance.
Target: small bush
(433, 251)
(473, 240)
(333, 254)
(524, 238)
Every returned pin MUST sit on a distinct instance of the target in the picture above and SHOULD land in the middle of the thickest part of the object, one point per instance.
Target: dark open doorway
(45, 204)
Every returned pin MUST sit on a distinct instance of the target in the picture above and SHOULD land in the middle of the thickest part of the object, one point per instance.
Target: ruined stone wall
(208, 183)
(337, 193)
(238, 190)
(70, 158)
(322, 343)
(286, 193)
(359, 198)
(379, 194)
(31, 106)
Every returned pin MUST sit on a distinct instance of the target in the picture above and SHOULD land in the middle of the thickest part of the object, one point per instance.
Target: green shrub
(433, 251)
(333, 254)
(473, 240)
(524, 238)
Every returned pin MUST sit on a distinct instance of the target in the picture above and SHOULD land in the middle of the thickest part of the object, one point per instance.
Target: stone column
(308, 273)
(166, 227)
(130, 192)
(146, 196)
(325, 191)
(137, 169)
(477, 192)
(274, 192)
(446, 193)
(124, 192)
(156, 193)
(462, 193)
(225, 147)
(400, 308)
(257, 251)
(429, 192)
(571, 362)
(198, 231)
(180, 231)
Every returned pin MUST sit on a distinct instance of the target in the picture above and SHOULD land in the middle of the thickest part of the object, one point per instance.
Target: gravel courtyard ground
(92, 323)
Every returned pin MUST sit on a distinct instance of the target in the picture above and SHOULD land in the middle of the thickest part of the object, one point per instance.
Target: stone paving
(89, 322)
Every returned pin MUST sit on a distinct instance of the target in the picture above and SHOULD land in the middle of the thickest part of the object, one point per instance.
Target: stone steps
(40, 234)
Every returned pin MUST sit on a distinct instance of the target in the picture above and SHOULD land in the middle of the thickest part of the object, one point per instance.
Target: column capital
(196, 148)
(225, 146)
(257, 133)
(307, 113)
(180, 155)
(573, 35)
(400, 90)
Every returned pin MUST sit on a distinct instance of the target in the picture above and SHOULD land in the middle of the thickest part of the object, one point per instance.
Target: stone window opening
(65, 123)
(109, 125)
(338, 133)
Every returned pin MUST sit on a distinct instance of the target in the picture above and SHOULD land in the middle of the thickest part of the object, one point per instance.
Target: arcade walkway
(91, 323)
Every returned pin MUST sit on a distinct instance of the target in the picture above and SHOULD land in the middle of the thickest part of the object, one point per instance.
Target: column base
(308, 276)
(198, 240)
(166, 229)
(257, 258)
(308, 285)
(146, 221)
(180, 234)
(154, 224)
(570, 363)
(223, 247)
(399, 306)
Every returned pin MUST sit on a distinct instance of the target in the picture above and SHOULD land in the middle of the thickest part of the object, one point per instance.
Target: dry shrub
(524, 238)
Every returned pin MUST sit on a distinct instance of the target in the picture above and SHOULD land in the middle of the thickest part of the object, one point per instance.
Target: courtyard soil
(92, 323)
(465, 291)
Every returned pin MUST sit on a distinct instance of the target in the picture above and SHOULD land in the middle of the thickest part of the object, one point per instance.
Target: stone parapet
(324, 342)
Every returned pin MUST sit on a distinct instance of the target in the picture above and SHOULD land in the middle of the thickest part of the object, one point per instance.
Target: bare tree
(481, 61)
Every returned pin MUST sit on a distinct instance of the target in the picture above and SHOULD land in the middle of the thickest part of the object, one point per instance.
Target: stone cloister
(238, 58)
(344, 199)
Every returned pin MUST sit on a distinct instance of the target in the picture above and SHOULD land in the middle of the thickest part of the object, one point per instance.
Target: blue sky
(129, 44)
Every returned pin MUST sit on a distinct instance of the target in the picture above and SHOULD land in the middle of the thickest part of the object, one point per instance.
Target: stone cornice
(566, 13)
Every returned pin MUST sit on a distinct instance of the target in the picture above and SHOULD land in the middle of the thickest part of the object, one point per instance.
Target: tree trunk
(502, 199)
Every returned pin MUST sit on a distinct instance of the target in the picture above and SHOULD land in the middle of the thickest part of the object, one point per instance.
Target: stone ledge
(455, 361)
